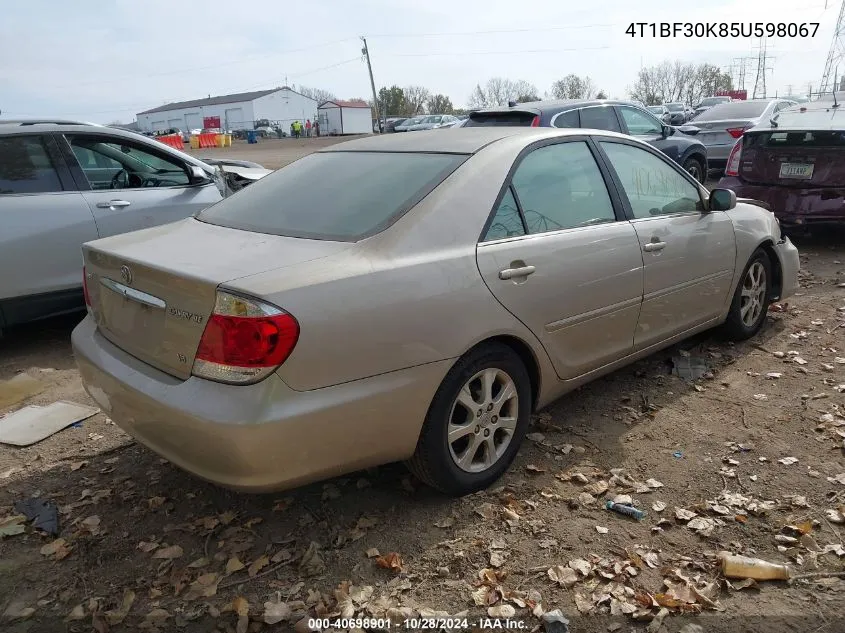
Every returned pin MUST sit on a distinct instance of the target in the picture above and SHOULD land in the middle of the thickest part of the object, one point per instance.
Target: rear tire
(695, 168)
(751, 298)
(483, 405)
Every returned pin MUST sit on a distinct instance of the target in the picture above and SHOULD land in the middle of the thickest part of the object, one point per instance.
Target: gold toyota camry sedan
(413, 297)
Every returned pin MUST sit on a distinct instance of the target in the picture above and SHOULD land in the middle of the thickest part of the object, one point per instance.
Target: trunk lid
(798, 159)
(152, 291)
(716, 132)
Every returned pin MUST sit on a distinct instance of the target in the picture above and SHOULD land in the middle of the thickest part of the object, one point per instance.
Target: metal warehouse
(346, 117)
(279, 106)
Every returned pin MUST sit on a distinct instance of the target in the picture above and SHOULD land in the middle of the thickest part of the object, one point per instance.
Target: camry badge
(126, 274)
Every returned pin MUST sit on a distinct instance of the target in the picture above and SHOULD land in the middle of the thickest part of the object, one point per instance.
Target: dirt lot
(144, 545)
(274, 152)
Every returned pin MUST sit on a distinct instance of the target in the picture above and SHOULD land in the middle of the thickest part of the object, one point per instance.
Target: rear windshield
(341, 196)
(499, 119)
(733, 110)
(798, 139)
(675, 107)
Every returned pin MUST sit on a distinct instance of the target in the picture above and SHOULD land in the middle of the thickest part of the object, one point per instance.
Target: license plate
(796, 170)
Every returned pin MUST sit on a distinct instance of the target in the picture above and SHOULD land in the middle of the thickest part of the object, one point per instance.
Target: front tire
(695, 168)
(476, 422)
(751, 299)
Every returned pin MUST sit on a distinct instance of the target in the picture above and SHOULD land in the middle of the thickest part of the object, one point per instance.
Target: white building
(279, 106)
(345, 117)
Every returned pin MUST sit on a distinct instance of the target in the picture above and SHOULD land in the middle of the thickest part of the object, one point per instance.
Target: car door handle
(654, 246)
(113, 204)
(510, 273)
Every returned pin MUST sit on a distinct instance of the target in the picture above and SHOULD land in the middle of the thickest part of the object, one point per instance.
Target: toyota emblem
(126, 274)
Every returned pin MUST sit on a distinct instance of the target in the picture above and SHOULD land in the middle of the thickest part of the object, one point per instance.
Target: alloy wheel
(753, 294)
(483, 420)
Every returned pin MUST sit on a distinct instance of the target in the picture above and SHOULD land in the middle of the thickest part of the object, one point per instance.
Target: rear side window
(342, 196)
(600, 118)
(25, 166)
(567, 119)
(506, 221)
(500, 119)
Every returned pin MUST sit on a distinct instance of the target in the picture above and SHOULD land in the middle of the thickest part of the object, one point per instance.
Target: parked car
(679, 113)
(65, 184)
(392, 122)
(616, 116)
(662, 113)
(454, 124)
(432, 122)
(720, 126)
(263, 346)
(708, 102)
(794, 163)
(408, 123)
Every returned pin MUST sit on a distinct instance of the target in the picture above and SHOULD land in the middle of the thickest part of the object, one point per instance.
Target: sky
(104, 61)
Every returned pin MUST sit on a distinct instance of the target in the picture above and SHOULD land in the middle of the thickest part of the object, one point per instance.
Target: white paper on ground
(32, 424)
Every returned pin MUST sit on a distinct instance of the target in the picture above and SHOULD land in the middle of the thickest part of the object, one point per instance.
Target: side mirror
(722, 200)
(667, 131)
(197, 174)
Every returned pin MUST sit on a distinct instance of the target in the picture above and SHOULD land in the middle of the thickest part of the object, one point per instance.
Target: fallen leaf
(684, 515)
(535, 437)
(147, 547)
(57, 549)
(77, 613)
(281, 555)
(203, 587)
(391, 561)
(169, 553)
(240, 606)
(533, 468)
(200, 562)
(275, 612)
(658, 506)
(156, 502)
(234, 564)
(835, 516)
(116, 616)
(601, 530)
(312, 563)
(13, 525)
(91, 524)
(597, 488)
(486, 511)
(497, 559)
(581, 566)
(16, 611)
(501, 611)
(788, 461)
(483, 596)
(583, 603)
(445, 523)
(257, 565)
(653, 483)
(702, 525)
(372, 552)
(77, 465)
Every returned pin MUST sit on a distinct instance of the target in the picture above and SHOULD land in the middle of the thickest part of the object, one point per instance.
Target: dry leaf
(391, 561)
(57, 549)
(257, 565)
(116, 616)
(483, 596)
(533, 468)
(497, 559)
(372, 552)
(501, 611)
(445, 523)
(653, 483)
(684, 515)
(280, 506)
(788, 461)
(147, 547)
(77, 465)
(563, 576)
(281, 555)
(203, 587)
(601, 530)
(13, 525)
(583, 603)
(581, 566)
(169, 553)
(156, 502)
(16, 611)
(240, 606)
(597, 489)
(275, 612)
(658, 506)
(78, 613)
(486, 511)
(234, 564)
(227, 517)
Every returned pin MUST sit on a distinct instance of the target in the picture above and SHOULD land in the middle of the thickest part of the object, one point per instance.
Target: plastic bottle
(755, 568)
(630, 511)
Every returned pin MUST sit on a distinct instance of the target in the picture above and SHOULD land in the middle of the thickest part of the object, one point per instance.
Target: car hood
(250, 173)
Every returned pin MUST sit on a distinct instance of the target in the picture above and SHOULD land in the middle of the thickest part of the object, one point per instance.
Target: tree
(573, 87)
(439, 104)
(360, 101)
(601, 95)
(318, 94)
(415, 98)
(391, 100)
(676, 81)
(498, 91)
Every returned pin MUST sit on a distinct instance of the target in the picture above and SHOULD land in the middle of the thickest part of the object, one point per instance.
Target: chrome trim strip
(132, 293)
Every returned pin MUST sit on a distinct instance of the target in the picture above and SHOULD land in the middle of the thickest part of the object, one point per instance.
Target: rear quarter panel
(408, 296)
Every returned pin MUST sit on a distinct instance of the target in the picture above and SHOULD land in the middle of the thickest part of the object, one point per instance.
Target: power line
(539, 50)
(495, 31)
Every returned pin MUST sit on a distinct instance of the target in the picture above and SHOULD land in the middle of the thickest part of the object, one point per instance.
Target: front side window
(25, 166)
(560, 187)
(114, 163)
(639, 123)
(600, 118)
(654, 188)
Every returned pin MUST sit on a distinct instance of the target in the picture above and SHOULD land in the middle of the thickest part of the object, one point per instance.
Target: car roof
(460, 140)
(814, 116)
(44, 121)
(556, 104)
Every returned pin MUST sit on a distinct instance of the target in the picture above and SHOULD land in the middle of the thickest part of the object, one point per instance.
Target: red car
(795, 163)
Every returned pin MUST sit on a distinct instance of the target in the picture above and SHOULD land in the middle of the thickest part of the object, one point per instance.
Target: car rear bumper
(794, 208)
(259, 437)
(790, 264)
(719, 152)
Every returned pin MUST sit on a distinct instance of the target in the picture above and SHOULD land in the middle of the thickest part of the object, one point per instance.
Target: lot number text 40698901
(722, 29)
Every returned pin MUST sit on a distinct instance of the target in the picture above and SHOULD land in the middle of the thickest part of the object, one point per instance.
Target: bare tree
(498, 91)
(439, 104)
(573, 87)
(415, 98)
(676, 81)
(318, 94)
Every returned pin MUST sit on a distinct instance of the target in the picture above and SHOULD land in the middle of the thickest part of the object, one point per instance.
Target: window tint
(653, 187)
(640, 123)
(600, 118)
(734, 110)
(25, 166)
(561, 187)
(499, 119)
(506, 221)
(568, 119)
(334, 195)
(112, 163)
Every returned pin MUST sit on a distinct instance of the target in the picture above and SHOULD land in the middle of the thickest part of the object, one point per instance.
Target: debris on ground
(33, 423)
(44, 515)
(18, 389)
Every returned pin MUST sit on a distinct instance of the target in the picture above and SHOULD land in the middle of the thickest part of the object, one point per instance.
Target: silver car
(414, 297)
(64, 184)
(408, 123)
(720, 125)
(433, 122)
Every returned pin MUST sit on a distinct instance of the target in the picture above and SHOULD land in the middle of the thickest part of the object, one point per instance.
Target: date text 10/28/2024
(417, 624)
(722, 29)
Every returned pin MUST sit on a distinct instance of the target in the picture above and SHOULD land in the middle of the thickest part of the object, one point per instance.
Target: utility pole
(836, 56)
(762, 69)
(366, 53)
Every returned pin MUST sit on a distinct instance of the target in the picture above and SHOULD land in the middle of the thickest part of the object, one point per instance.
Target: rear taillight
(244, 341)
(732, 168)
(735, 132)
(535, 122)
(85, 287)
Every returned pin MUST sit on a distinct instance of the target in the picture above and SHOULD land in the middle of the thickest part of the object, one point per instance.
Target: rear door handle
(113, 204)
(654, 246)
(510, 273)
